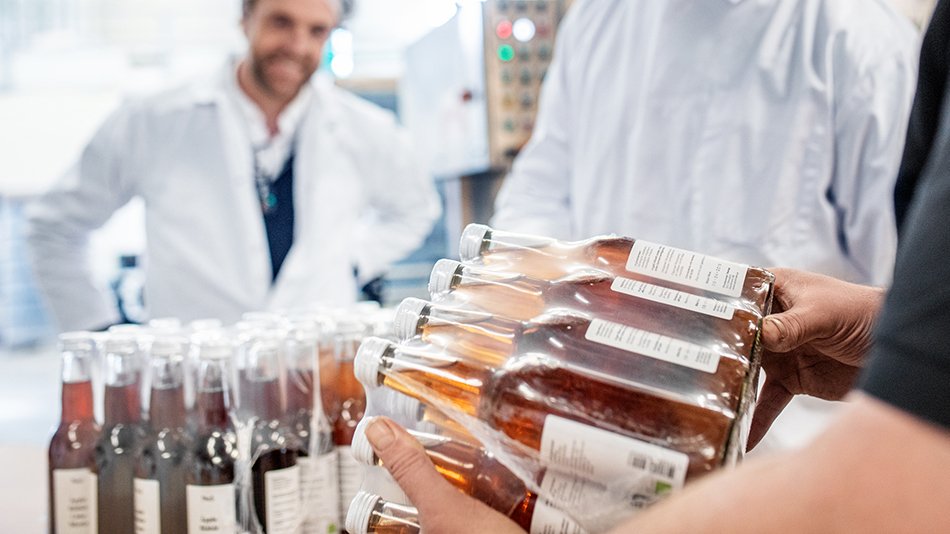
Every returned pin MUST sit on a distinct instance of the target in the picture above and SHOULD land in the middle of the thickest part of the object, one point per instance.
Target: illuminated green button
(506, 52)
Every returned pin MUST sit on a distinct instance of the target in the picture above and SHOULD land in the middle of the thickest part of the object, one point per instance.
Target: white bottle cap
(367, 360)
(470, 245)
(406, 320)
(361, 508)
(360, 447)
(443, 272)
(406, 407)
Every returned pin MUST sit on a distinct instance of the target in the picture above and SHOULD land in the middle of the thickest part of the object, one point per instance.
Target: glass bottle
(210, 474)
(709, 375)
(317, 456)
(370, 514)
(160, 503)
(584, 424)
(598, 294)
(274, 474)
(347, 337)
(479, 474)
(122, 434)
(549, 259)
(72, 480)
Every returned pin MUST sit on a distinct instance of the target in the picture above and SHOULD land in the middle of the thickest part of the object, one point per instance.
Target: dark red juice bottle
(161, 467)
(210, 478)
(122, 434)
(275, 476)
(72, 478)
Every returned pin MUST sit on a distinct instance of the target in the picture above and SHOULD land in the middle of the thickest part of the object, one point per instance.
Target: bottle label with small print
(75, 496)
(351, 475)
(653, 345)
(687, 268)
(148, 508)
(320, 488)
(211, 509)
(672, 297)
(282, 500)
(567, 491)
(645, 471)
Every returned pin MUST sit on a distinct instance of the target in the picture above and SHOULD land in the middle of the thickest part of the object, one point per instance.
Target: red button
(503, 30)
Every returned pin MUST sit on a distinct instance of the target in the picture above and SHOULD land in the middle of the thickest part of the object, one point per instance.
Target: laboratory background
(435, 101)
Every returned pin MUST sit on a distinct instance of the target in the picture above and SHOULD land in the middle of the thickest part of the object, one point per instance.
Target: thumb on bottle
(783, 332)
(406, 460)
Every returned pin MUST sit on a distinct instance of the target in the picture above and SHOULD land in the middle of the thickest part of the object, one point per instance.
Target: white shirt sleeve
(60, 222)
(874, 100)
(402, 199)
(535, 197)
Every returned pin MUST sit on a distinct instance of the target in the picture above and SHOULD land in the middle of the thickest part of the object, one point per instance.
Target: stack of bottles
(568, 384)
(206, 428)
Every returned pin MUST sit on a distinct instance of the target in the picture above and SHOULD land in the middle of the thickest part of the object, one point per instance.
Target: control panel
(519, 44)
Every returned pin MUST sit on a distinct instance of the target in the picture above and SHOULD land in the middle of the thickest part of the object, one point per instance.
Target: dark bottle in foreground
(550, 259)
(275, 476)
(160, 470)
(72, 480)
(122, 434)
(210, 474)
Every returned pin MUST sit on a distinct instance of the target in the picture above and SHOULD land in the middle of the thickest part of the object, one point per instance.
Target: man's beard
(257, 70)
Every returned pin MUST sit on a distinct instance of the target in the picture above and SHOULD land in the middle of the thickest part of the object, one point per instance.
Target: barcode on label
(653, 345)
(652, 466)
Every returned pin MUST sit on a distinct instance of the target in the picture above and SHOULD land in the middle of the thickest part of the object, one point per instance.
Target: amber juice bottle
(160, 503)
(479, 474)
(562, 411)
(210, 474)
(550, 259)
(347, 337)
(122, 434)
(624, 300)
(649, 362)
(370, 514)
(72, 481)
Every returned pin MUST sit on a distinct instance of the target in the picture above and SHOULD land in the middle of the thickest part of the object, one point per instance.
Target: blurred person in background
(765, 132)
(265, 187)
(881, 467)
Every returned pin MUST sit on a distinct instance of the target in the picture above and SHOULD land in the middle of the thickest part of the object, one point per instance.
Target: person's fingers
(771, 402)
(785, 332)
(406, 460)
(442, 508)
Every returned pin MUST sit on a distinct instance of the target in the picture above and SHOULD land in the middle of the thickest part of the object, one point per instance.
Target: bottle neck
(482, 336)
(214, 395)
(122, 404)
(77, 401)
(417, 372)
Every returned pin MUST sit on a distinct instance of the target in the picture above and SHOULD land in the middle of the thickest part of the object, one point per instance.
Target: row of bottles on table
(609, 371)
(210, 429)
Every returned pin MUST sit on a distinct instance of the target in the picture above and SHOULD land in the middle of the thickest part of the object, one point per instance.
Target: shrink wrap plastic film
(583, 381)
(264, 403)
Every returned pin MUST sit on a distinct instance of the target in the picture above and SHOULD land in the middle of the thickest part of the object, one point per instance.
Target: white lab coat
(360, 198)
(767, 132)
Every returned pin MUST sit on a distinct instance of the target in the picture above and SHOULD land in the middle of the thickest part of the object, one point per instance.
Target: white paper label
(74, 495)
(148, 510)
(282, 500)
(672, 297)
(566, 491)
(687, 268)
(603, 456)
(320, 488)
(211, 509)
(351, 475)
(653, 345)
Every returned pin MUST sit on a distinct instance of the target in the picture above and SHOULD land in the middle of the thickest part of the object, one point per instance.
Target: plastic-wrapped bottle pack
(566, 385)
